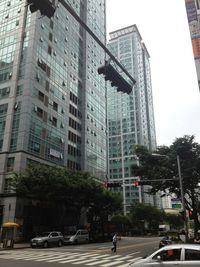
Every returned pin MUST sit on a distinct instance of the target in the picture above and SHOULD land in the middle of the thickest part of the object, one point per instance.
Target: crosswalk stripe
(90, 260)
(62, 258)
(98, 262)
(114, 257)
(112, 263)
(40, 256)
(123, 258)
(50, 258)
(136, 252)
(134, 259)
(124, 265)
(72, 260)
(68, 259)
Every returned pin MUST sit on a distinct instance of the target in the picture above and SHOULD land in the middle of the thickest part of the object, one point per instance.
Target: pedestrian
(114, 248)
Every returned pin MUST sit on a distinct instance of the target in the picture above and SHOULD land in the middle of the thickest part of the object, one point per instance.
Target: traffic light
(112, 75)
(139, 183)
(46, 7)
(136, 183)
(114, 184)
(190, 213)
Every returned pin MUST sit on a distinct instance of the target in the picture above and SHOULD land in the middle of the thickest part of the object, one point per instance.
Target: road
(128, 250)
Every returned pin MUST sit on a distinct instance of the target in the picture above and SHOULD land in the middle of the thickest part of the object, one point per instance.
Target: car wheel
(60, 243)
(45, 245)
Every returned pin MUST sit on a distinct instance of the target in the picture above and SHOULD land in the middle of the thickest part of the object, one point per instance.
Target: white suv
(80, 236)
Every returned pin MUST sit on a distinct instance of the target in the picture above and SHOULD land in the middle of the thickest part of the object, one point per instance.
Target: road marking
(45, 256)
(72, 260)
(62, 258)
(122, 247)
(97, 262)
(134, 253)
(89, 260)
(112, 263)
(75, 258)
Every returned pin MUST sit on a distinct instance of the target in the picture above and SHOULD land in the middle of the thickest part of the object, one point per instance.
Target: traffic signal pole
(74, 14)
(49, 12)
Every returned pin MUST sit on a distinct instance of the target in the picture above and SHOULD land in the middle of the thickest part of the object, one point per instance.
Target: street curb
(16, 246)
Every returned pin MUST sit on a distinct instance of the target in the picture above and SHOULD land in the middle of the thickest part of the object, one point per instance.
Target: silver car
(47, 239)
(80, 236)
(182, 255)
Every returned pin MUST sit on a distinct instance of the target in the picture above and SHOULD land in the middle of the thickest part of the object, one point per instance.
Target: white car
(181, 255)
(80, 236)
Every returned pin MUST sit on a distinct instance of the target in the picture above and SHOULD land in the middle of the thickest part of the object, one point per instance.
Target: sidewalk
(16, 246)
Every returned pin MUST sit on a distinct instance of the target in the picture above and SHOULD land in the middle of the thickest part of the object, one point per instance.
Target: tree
(175, 221)
(165, 167)
(143, 214)
(122, 222)
(57, 186)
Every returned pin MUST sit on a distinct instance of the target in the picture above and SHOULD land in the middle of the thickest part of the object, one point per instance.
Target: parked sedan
(183, 255)
(47, 239)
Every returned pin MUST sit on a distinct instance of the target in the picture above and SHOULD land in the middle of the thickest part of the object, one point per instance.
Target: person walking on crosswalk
(114, 248)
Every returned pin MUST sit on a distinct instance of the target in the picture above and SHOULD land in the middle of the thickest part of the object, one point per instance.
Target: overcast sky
(165, 32)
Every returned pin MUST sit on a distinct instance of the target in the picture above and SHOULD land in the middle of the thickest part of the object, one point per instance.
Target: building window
(10, 164)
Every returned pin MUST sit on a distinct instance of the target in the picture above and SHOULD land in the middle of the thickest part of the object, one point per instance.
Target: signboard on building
(176, 203)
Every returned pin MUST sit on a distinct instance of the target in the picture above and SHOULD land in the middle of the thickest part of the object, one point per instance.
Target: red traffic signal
(190, 213)
(136, 183)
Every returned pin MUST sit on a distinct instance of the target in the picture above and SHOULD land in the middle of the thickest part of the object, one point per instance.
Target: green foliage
(121, 219)
(141, 214)
(74, 190)
(164, 166)
(123, 223)
(175, 221)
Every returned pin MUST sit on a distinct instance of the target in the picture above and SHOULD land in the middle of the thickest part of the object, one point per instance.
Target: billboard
(191, 10)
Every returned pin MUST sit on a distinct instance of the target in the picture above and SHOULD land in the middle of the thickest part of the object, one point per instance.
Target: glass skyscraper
(52, 100)
(130, 117)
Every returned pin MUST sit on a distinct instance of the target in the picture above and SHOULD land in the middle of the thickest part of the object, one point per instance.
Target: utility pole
(181, 192)
(182, 198)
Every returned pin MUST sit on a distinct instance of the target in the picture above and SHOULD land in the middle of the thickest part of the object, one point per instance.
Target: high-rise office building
(193, 15)
(52, 100)
(130, 117)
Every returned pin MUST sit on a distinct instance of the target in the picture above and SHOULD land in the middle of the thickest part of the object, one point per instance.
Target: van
(80, 236)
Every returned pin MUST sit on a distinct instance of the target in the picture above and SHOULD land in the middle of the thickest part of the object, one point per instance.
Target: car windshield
(70, 233)
(44, 234)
